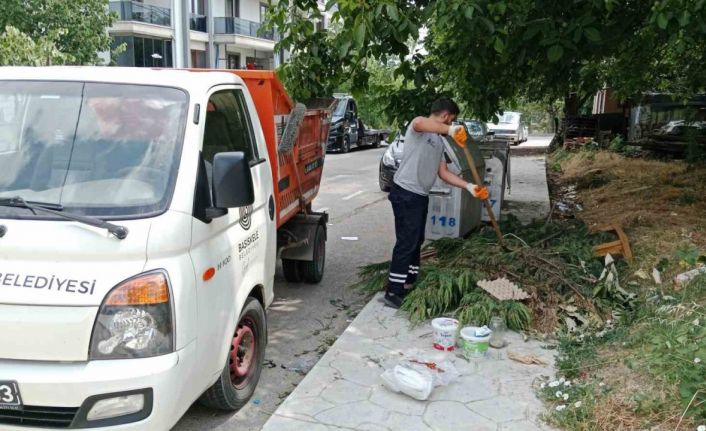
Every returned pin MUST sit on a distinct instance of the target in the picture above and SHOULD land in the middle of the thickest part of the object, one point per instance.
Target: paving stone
(453, 416)
(354, 414)
(466, 389)
(500, 409)
(397, 402)
(355, 368)
(343, 391)
(279, 423)
(402, 422)
(307, 406)
(317, 379)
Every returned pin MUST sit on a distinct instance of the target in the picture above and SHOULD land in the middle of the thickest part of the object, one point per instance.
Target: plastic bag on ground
(417, 375)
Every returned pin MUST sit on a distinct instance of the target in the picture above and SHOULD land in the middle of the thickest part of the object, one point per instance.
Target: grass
(645, 371)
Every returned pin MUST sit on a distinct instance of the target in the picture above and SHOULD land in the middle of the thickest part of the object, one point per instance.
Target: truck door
(352, 116)
(228, 252)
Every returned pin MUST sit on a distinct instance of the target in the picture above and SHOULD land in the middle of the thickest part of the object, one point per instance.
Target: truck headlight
(135, 320)
(388, 158)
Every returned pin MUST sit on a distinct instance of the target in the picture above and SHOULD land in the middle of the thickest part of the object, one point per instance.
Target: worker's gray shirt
(420, 161)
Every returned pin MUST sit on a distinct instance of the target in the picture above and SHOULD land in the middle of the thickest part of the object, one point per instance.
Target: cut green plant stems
(553, 262)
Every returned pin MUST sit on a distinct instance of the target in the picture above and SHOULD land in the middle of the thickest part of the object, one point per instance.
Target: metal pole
(180, 20)
(212, 53)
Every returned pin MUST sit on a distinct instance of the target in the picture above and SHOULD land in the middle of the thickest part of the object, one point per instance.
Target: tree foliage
(53, 31)
(489, 53)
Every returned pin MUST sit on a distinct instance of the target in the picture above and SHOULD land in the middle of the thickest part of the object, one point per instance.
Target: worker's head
(444, 110)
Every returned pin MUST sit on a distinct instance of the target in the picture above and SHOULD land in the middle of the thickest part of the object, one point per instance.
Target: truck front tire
(346, 144)
(243, 365)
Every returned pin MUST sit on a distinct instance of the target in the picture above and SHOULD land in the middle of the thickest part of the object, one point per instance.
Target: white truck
(138, 242)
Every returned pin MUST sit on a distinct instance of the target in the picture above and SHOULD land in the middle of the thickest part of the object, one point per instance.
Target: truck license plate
(10, 398)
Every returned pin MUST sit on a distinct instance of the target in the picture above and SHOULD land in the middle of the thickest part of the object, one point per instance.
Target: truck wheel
(242, 370)
(313, 270)
(346, 145)
(291, 270)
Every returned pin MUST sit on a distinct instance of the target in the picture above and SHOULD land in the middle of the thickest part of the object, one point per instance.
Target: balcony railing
(134, 11)
(198, 23)
(232, 25)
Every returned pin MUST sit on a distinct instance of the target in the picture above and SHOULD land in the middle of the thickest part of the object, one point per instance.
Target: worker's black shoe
(393, 300)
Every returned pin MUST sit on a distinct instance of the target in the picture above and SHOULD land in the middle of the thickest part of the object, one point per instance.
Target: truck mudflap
(296, 238)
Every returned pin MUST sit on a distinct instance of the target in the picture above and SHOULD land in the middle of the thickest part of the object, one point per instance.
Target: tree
(490, 53)
(54, 31)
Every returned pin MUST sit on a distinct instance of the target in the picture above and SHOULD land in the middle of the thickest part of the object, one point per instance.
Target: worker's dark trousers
(410, 211)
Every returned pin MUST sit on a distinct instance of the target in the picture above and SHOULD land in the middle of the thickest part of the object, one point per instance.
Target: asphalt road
(305, 320)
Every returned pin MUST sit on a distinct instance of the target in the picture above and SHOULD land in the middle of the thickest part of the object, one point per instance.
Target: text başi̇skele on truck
(142, 213)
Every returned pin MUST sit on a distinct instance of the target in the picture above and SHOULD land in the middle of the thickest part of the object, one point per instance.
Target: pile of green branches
(553, 262)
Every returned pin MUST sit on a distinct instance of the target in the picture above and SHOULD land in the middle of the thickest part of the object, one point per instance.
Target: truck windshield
(340, 108)
(108, 150)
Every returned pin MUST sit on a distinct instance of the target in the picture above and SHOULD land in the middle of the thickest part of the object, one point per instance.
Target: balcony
(232, 25)
(198, 23)
(140, 12)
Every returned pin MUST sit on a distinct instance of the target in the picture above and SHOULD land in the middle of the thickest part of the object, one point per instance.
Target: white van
(128, 289)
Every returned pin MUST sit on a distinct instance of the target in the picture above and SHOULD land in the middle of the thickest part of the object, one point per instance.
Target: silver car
(511, 127)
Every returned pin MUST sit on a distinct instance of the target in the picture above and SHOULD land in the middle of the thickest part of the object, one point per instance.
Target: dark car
(390, 161)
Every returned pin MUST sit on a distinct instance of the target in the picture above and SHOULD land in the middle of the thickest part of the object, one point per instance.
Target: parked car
(510, 127)
(390, 161)
(348, 130)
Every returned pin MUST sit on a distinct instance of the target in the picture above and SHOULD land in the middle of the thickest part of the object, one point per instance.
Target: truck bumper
(334, 143)
(52, 391)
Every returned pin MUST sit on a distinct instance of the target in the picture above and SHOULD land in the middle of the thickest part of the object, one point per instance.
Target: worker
(423, 160)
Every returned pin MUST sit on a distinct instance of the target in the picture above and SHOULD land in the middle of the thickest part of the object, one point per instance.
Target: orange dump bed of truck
(296, 173)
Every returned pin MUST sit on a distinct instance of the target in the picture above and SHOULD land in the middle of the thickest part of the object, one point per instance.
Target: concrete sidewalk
(344, 390)
(529, 197)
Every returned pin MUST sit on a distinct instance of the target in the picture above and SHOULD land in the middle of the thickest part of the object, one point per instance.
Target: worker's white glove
(458, 133)
(478, 192)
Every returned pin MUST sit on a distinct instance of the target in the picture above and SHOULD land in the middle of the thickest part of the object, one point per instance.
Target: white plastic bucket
(445, 330)
(473, 346)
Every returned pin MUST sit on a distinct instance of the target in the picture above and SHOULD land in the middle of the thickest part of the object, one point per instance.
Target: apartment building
(221, 34)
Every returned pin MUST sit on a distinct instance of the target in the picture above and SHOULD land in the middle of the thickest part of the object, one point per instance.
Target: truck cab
(138, 241)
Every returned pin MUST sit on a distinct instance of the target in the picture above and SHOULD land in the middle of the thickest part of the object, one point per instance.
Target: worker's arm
(449, 177)
(424, 124)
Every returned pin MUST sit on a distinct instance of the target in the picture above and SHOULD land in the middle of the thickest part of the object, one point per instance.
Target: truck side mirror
(232, 181)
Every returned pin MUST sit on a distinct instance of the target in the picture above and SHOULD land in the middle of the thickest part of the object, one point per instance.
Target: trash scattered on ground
(416, 375)
(257, 402)
(444, 330)
(349, 238)
(526, 359)
(619, 247)
(503, 289)
(685, 277)
(656, 276)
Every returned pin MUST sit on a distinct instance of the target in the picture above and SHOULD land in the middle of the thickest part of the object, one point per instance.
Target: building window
(263, 12)
(143, 52)
(233, 61)
(233, 8)
(198, 59)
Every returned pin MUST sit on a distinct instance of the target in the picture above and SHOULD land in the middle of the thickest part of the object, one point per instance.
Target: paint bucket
(473, 346)
(445, 330)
